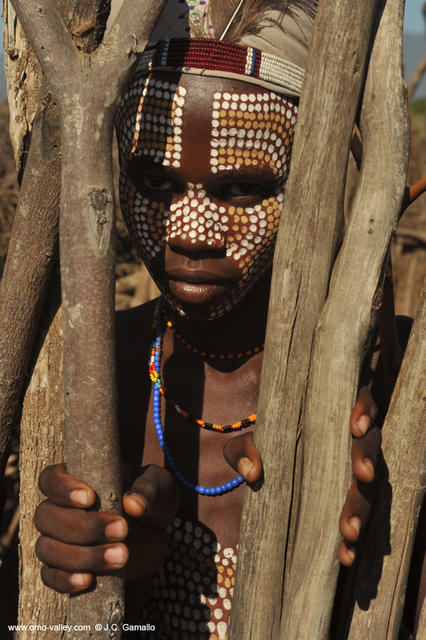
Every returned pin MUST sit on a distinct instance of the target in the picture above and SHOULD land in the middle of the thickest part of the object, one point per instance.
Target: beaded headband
(203, 56)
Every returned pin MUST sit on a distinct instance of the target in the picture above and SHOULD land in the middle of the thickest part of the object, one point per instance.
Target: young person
(205, 132)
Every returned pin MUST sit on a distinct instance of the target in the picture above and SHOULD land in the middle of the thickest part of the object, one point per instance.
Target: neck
(242, 328)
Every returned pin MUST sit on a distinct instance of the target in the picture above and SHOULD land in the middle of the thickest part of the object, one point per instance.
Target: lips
(199, 276)
(198, 286)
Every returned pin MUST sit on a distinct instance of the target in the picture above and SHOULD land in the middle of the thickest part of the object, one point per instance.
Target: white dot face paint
(252, 130)
(267, 118)
(157, 130)
(248, 131)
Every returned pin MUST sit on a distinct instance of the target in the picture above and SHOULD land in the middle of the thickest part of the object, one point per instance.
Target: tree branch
(309, 226)
(31, 250)
(404, 448)
(345, 322)
(88, 95)
(134, 25)
(128, 36)
(49, 38)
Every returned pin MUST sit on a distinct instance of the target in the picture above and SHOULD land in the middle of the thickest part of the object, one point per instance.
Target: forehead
(166, 116)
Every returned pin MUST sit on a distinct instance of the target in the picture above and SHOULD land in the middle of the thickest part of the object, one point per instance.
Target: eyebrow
(258, 173)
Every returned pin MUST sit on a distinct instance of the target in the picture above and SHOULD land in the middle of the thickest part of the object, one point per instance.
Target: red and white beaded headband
(204, 56)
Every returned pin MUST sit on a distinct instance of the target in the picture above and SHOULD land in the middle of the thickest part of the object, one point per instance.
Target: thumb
(241, 453)
(153, 498)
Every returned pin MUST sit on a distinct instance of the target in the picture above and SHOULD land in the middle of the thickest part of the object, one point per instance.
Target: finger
(63, 489)
(154, 497)
(64, 581)
(241, 453)
(76, 559)
(355, 512)
(347, 553)
(77, 526)
(364, 455)
(363, 414)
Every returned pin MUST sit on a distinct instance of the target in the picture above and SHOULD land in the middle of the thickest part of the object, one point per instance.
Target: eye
(245, 192)
(157, 183)
(243, 189)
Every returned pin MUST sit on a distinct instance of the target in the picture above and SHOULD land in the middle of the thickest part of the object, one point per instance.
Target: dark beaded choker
(244, 353)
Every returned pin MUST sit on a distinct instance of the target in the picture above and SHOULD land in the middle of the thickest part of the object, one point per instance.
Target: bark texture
(35, 231)
(31, 251)
(41, 444)
(23, 81)
(386, 552)
(88, 89)
(286, 576)
(341, 335)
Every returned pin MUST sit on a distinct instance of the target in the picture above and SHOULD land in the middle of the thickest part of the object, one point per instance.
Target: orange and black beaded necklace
(155, 377)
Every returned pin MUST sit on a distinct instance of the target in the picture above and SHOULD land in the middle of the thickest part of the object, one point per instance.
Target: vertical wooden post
(88, 89)
(341, 335)
(287, 567)
(306, 246)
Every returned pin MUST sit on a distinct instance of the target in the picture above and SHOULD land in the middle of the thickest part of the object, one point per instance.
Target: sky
(413, 16)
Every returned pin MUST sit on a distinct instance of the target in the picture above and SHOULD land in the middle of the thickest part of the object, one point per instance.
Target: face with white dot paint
(204, 162)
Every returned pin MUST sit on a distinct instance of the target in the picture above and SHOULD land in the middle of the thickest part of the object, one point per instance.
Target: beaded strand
(211, 426)
(206, 354)
(207, 491)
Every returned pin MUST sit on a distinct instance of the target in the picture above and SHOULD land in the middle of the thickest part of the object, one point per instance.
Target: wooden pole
(33, 242)
(31, 253)
(378, 593)
(271, 553)
(341, 335)
(88, 88)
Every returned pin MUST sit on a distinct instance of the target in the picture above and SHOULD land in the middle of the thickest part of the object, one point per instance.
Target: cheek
(146, 220)
(252, 233)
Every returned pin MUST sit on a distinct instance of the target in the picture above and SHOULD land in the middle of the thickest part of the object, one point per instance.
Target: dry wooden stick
(404, 449)
(411, 193)
(309, 227)
(34, 236)
(31, 251)
(87, 89)
(341, 335)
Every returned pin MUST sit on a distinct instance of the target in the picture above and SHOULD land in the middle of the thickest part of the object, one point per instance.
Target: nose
(196, 224)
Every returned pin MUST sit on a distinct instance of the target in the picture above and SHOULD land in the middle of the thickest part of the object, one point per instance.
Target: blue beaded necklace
(156, 409)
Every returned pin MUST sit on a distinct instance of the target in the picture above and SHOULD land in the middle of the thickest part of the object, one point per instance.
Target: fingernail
(355, 524)
(369, 464)
(115, 530)
(351, 553)
(140, 500)
(363, 423)
(245, 465)
(115, 556)
(79, 496)
(80, 580)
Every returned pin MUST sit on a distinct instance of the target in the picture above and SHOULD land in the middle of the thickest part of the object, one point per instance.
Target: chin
(207, 301)
(197, 305)
(202, 304)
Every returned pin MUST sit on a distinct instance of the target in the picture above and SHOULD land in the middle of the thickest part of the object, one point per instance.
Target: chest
(202, 392)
